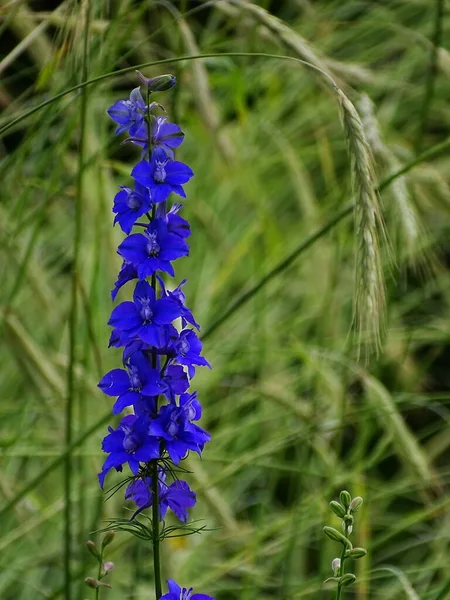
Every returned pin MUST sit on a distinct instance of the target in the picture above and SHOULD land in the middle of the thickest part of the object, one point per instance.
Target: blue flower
(187, 349)
(127, 272)
(178, 593)
(153, 250)
(139, 380)
(175, 223)
(143, 318)
(177, 496)
(130, 443)
(163, 135)
(129, 114)
(162, 176)
(175, 427)
(129, 205)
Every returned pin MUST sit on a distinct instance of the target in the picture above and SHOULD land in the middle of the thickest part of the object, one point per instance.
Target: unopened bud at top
(356, 503)
(345, 498)
(93, 549)
(109, 536)
(161, 83)
(337, 508)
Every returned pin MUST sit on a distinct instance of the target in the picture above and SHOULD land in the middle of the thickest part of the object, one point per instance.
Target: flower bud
(92, 583)
(347, 579)
(336, 536)
(95, 583)
(336, 566)
(92, 548)
(356, 503)
(349, 520)
(161, 83)
(356, 553)
(108, 538)
(107, 568)
(345, 498)
(337, 508)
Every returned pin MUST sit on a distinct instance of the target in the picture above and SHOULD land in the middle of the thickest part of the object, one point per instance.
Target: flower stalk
(159, 359)
(344, 509)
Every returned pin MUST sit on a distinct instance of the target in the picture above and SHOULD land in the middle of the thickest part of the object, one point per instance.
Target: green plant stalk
(71, 392)
(155, 531)
(99, 574)
(339, 592)
(154, 463)
(431, 74)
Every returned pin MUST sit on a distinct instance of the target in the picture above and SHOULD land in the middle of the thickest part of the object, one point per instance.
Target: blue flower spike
(155, 329)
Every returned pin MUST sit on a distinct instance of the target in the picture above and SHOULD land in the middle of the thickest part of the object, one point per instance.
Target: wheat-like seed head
(405, 225)
(369, 313)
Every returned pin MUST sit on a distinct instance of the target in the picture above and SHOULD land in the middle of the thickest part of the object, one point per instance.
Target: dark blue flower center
(152, 244)
(184, 347)
(186, 593)
(130, 442)
(189, 410)
(146, 311)
(134, 201)
(135, 382)
(159, 174)
(174, 423)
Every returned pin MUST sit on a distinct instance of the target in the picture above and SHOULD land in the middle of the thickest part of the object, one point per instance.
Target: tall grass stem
(71, 391)
(431, 74)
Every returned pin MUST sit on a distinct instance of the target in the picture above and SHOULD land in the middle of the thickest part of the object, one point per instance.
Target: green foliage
(294, 416)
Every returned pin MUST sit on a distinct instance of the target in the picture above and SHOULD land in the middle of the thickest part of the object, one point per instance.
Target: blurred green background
(294, 416)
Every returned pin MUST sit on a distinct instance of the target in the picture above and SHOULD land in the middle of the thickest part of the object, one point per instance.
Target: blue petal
(127, 399)
(115, 383)
(125, 316)
(142, 173)
(134, 248)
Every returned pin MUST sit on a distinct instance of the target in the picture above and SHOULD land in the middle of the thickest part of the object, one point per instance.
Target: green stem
(154, 463)
(99, 575)
(339, 592)
(431, 74)
(155, 531)
(71, 392)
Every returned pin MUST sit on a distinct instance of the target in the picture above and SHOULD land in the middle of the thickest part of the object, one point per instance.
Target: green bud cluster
(103, 567)
(344, 509)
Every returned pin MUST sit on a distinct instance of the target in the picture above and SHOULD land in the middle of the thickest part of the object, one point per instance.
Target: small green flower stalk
(344, 509)
(104, 568)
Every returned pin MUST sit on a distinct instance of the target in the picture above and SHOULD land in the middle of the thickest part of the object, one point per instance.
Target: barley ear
(369, 294)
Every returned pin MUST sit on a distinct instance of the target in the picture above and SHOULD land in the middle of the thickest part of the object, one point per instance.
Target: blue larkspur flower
(153, 250)
(130, 204)
(174, 425)
(129, 114)
(178, 593)
(140, 379)
(130, 443)
(177, 496)
(163, 135)
(175, 223)
(143, 318)
(186, 351)
(162, 176)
